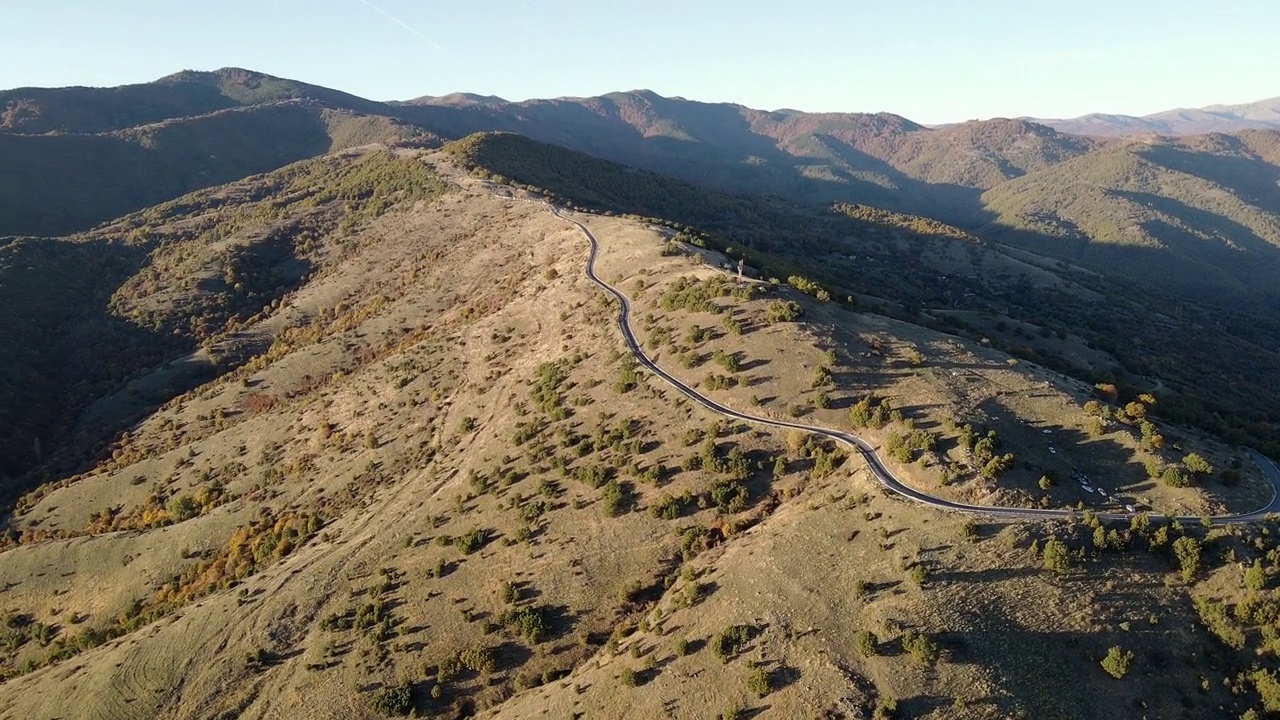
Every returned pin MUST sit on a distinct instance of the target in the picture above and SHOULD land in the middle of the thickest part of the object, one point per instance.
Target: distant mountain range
(1200, 212)
(1263, 114)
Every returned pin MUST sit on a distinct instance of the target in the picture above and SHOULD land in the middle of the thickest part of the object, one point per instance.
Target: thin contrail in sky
(403, 24)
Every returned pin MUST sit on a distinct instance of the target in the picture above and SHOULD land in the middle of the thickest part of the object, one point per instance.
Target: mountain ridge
(1256, 115)
(951, 173)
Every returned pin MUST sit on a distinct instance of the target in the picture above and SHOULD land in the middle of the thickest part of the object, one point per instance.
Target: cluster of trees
(783, 311)
(904, 448)
(982, 448)
(872, 412)
(809, 287)
(694, 295)
(1192, 552)
(728, 643)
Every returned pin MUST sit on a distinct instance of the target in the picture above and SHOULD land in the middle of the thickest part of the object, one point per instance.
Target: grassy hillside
(103, 319)
(444, 489)
(1199, 211)
(926, 272)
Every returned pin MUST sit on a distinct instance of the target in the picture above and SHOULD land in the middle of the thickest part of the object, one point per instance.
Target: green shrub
(715, 381)
(479, 658)
(1268, 687)
(393, 700)
(727, 644)
(628, 377)
(667, 508)
(508, 592)
(183, 507)
(919, 574)
(922, 648)
(1215, 618)
(370, 614)
(616, 498)
(530, 622)
(1255, 578)
(728, 361)
(997, 465)
(1057, 557)
(1176, 476)
(1187, 552)
(1117, 662)
(865, 642)
(472, 541)
(809, 287)
(729, 496)
(760, 682)
(1197, 464)
(860, 413)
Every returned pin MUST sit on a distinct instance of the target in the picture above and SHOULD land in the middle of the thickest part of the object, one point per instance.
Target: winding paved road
(877, 466)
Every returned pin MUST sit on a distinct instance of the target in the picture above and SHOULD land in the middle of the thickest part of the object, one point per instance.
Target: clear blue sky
(930, 60)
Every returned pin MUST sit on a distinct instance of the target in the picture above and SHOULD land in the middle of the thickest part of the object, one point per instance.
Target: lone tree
(866, 643)
(1056, 556)
(183, 507)
(1187, 550)
(1117, 662)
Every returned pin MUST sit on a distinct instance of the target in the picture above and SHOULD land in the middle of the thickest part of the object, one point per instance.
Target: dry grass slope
(443, 488)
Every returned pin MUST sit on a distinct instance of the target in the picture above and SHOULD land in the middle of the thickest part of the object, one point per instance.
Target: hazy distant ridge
(1260, 115)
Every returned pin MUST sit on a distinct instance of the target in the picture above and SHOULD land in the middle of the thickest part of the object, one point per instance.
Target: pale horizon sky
(932, 61)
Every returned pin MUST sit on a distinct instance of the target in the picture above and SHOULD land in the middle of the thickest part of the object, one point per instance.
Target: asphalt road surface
(877, 466)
